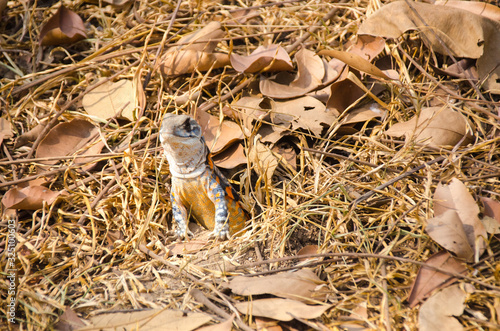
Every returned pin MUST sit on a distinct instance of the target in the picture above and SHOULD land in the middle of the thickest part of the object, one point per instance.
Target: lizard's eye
(187, 125)
(190, 128)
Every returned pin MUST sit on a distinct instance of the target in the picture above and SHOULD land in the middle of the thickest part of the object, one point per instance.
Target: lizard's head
(183, 144)
(178, 126)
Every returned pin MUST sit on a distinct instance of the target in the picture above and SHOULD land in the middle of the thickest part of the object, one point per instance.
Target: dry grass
(102, 248)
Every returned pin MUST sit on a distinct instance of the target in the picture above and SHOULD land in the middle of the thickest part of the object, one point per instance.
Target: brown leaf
(65, 27)
(436, 126)
(218, 136)
(270, 58)
(65, 139)
(29, 136)
(491, 208)
(151, 320)
(69, 321)
(491, 220)
(227, 325)
(479, 8)
(5, 129)
(363, 114)
(181, 62)
(195, 52)
(438, 311)
(262, 160)
(456, 198)
(310, 73)
(447, 230)
(476, 37)
(112, 99)
(230, 157)
(355, 61)
(368, 47)
(299, 285)
(343, 94)
(29, 198)
(281, 309)
(306, 113)
(428, 280)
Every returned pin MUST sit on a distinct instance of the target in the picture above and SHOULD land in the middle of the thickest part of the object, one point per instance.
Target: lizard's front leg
(221, 223)
(180, 215)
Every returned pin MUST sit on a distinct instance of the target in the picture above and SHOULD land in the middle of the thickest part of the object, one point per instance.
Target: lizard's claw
(220, 233)
(183, 234)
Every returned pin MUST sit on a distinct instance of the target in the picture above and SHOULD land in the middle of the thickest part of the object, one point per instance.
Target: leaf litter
(303, 105)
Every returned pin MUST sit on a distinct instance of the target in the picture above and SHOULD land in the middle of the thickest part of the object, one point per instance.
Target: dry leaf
(363, 114)
(262, 160)
(29, 198)
(5, 129)
(112, 99)
(368, 47)
(305, 113)
(65, 27)
(281, 309)
(29, 136)
(454, 198)
(310, 73)
(491, 208)
(438, 311)
(270, 58)
(151, 320)
(69, 321)
(230, 157)
(479, 8)
(428, 280)
(491, 220)
(355, 61)
(218, 136)
(447, 230)
(299, 285)
(195, 52)
(227, 325)
(187, 247)
(475, 37)
(436, 126)
(343, 94)
(65, 139)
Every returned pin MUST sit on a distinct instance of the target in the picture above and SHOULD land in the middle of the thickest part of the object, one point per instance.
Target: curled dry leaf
(343, 94)
(363, 114)
(270, 58)
(281, 309)
(195, 52)
(355, 61)
(29, 198)
(300, 285)
(305, 113)
(65, 27)
(65, 139)
(475, 37)
(436, 126)
(230, 157)
(113, 99)
(428, 280)
(438, 311)
(310, 73)
(453, 204)
(218, 136)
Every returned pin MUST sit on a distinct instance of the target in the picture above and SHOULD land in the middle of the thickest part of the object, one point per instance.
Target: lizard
(198, 188)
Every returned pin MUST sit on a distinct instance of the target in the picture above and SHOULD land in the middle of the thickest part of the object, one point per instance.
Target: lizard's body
(198, 187)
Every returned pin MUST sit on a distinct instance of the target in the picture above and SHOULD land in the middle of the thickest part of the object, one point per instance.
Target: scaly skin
(198, 187)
